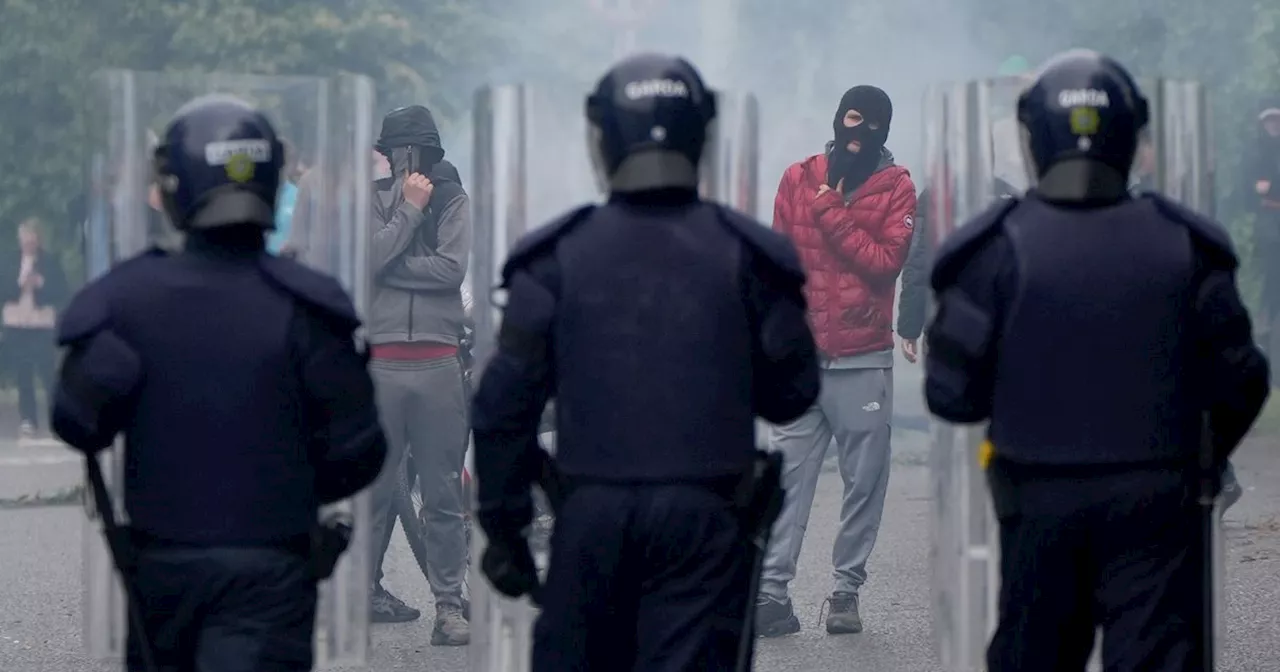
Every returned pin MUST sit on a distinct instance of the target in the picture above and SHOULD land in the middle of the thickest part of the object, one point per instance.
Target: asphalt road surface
(40, 580)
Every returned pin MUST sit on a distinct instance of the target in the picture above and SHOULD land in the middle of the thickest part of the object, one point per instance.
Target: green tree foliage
(1232, 48)
(439, 51)
(51, 48)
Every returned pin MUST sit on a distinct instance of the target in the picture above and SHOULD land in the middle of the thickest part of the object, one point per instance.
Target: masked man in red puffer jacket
(849, 212)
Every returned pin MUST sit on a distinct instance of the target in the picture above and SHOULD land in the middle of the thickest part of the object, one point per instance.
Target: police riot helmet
(648, 122)
(219, 164)
(1081, 121)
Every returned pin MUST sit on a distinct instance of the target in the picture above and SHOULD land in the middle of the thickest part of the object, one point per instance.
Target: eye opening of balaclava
(877, 112)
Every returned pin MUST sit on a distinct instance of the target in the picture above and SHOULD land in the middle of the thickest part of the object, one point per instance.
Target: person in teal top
(286, 201)
(1014, 65)
(284, 217)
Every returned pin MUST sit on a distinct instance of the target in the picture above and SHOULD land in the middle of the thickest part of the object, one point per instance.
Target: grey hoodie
(419, 260)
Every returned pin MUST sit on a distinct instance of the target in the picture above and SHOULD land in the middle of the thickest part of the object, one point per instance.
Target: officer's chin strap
(1083, 182)
(119, 547)
(1209, 476)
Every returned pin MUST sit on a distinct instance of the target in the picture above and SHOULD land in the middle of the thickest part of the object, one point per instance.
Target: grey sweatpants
(854, 408)
(423, 407)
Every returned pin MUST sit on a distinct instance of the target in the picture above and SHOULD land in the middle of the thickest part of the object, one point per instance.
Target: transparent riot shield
(531, 165)
(1175, 156)
(731, 169)
(328, 122)
(965, 127)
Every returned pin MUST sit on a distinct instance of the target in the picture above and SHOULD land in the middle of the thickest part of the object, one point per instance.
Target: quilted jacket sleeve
(878, 249)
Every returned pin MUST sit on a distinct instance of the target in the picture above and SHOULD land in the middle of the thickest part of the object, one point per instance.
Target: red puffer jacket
(852, 251)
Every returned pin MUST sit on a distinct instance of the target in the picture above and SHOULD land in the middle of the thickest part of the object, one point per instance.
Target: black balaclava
(854, 168)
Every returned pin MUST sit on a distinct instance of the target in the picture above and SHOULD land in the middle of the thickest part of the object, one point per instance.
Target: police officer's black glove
(508, 563)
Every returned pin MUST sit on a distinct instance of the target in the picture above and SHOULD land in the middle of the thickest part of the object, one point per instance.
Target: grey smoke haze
(797, 58)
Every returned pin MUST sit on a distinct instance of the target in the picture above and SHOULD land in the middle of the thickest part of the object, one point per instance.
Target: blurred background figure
(1143, 176)
(34, 292)
(1263, 184)
(292, 174)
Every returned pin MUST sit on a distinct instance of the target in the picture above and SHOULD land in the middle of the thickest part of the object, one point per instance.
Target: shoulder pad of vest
(87, 314)
(961, 245)
(311, 287)
(90, 309)
(539, 241)
(1210, 238)
(771, 245)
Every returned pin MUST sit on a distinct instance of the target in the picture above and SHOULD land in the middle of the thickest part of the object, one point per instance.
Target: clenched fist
(1263, 187)
(417, 190)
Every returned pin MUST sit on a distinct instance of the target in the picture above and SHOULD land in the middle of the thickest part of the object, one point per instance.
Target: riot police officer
(1102, 336)
(244, 405)
(661, 324)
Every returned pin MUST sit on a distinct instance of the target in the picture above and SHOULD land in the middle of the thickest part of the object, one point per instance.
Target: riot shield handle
(551, 481)
(120, 548)
(759, 501)
(1209, 479)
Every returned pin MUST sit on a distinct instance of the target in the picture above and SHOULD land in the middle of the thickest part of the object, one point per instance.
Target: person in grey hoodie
(421, 242)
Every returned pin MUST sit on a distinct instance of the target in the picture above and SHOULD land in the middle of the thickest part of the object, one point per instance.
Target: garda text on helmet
(1083, 98)
(220, 153)
(656, 88)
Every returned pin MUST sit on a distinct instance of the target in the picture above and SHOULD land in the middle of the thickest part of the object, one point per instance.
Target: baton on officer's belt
(759, 503)
(118, 546)
(551, 481)
(548, 479)
(1209, 481)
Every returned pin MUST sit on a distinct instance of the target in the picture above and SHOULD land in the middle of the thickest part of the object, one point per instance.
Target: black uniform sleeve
(960, 356)
(915, 278)
(508, 404)
(347, 445)
(96, 391)
(1236, 373)
(785, 358)
(100, 374)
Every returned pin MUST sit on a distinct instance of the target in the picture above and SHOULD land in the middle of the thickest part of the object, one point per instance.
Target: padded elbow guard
(958, 385)
(99, 376)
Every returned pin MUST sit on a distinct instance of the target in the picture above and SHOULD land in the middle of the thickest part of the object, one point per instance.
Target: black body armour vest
(217, 451)
(653, 347)
(1095, 355)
